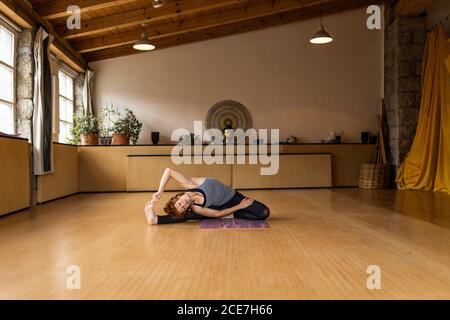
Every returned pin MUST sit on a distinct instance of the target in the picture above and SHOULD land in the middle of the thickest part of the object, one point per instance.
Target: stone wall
(404, 44)
(24, 97)
(24, 78)
(25, 85)
(78, 93)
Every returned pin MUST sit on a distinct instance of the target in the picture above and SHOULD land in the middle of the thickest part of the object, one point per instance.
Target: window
(7, 79)
(66, 108)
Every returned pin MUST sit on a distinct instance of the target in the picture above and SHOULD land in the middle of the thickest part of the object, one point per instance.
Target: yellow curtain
(427, 165)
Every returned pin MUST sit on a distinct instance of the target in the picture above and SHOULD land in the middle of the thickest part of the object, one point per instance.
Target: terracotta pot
(89, 139)
(120, 139)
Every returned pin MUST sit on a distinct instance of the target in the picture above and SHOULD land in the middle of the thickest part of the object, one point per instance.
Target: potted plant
(85, 129)
(74, 137)
(126, 128)
(107, 115)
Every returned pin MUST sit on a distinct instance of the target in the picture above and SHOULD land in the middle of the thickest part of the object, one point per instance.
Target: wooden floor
(319, 246)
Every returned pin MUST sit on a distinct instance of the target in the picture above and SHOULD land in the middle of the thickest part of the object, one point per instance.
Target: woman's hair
(170, 209)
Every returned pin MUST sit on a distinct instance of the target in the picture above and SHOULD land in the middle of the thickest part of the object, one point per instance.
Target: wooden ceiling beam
(59, 51)
(246, 11)
(146, 14)
(411, 7)
(17, 14)
(51, 9)
(235, 28)
(31, 19)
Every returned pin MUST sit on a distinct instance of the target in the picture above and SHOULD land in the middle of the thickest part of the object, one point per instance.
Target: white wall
(284, 81)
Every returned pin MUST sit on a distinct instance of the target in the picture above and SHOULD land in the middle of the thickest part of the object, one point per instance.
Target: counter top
(206, 144)
(12, 137)
(245, 154)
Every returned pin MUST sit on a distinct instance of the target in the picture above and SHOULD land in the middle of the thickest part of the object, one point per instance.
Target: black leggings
(256, 211)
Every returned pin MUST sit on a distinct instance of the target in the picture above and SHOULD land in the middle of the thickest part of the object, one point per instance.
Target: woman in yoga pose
(204, 198)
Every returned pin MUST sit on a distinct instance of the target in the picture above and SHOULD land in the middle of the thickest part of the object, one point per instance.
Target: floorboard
(319, 246)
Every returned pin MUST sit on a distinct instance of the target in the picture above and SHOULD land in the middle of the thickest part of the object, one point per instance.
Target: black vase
(365, 137)
(155, 137)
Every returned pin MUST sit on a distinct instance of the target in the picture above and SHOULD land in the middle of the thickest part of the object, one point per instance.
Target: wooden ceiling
(109, 28)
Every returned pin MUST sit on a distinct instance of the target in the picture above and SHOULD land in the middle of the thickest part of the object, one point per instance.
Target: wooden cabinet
(63, 181)
(295, 171)
(14, 174)
(109, 168)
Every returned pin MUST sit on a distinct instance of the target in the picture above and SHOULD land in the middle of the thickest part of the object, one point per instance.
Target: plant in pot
(126, 128)
(107, 116)
(85, 130)
(74, 137)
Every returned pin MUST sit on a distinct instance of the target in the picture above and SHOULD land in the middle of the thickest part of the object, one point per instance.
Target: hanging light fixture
(158, 3)
(321, 36)
(143, 44)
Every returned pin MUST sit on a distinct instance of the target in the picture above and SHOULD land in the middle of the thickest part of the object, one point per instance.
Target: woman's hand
(157, 196)
(245, 203)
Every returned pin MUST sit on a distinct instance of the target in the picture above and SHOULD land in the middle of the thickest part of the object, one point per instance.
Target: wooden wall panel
(144, 173)
(346, 159)
(64, 180)
(295, 171)
(105, 168)
(14, 175)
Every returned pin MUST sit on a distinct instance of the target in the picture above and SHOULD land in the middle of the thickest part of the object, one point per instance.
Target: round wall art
(228, 114)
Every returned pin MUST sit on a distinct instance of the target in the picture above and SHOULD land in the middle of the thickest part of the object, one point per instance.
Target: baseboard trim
(59, 198)
(13, 212)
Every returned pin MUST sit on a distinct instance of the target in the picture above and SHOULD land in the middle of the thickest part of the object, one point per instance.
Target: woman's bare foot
(152, 219)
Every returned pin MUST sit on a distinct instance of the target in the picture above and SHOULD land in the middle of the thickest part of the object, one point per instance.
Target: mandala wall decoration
(228, 114)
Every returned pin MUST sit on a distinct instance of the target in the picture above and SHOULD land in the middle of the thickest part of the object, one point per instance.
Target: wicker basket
(374, 176)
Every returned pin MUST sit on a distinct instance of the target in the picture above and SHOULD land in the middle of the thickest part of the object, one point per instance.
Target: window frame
(14, 32)
(69, 74)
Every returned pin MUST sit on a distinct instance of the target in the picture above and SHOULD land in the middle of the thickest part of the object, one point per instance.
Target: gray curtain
(42, 112)
(87, 92)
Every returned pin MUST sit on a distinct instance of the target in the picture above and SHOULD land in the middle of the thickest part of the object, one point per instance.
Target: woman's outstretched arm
(183, 180)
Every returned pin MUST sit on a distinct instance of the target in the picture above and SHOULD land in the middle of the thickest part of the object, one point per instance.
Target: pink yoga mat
(233, 224)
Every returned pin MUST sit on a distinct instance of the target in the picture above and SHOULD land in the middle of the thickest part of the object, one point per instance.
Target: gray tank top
(215, 192)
